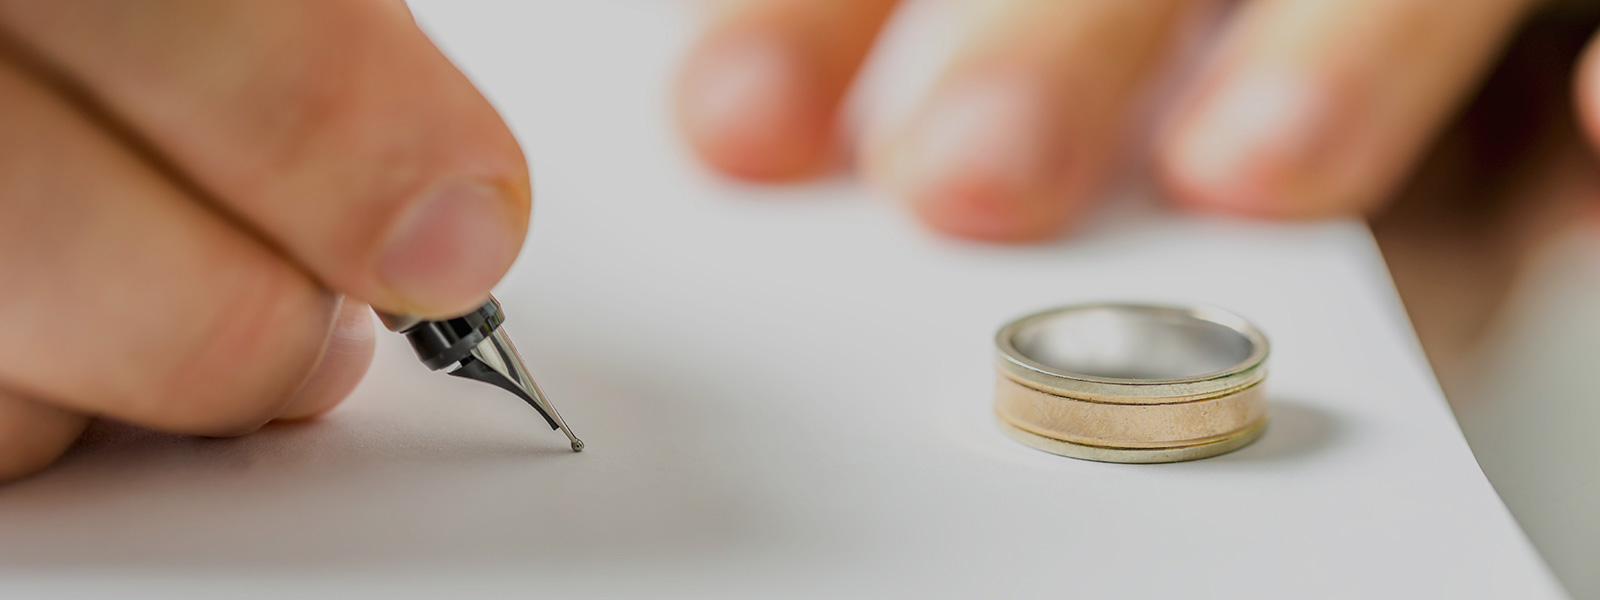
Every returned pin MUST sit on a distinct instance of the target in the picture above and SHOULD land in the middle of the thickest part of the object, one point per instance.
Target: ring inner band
(1109, 342)
(1132, 354)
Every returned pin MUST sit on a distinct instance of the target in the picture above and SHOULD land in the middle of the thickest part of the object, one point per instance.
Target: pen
(475, 346)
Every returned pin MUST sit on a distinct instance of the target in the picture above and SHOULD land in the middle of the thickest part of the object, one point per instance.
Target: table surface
(786, 392)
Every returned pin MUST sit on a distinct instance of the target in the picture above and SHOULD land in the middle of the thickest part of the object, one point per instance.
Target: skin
(1304, 109)
(214, 191)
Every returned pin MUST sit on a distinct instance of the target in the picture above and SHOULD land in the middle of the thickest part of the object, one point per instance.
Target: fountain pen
(475, 346)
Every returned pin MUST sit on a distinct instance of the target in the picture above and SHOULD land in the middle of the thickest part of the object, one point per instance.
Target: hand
(1307, 108)
(198, 199)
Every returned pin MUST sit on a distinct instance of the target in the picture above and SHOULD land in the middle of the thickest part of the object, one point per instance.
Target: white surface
(786, 393)
(1529, 406)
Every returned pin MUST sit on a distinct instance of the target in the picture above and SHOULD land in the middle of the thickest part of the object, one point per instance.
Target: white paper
(786, 392)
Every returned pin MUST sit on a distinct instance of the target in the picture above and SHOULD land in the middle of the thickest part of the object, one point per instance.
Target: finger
(343, 362)
(1026, 120)
(1587, 89)
(1319, 107)
(136, 301)
(33, 434)
(758, 94)
(333, 127)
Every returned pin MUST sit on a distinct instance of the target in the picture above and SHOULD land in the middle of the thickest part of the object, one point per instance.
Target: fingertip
(1239, 149)
(341, 367)
(1587, 91)
(1198, 179)
(986, 210)
(1270, 194)
(1200, 184)
(983, 160)
(752, 107)
(33, 435)
(449, 249)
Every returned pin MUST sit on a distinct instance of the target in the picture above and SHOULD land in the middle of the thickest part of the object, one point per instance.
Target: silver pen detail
(475, 346)
(498, 354)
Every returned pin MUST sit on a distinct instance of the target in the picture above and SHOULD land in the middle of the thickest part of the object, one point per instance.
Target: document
(788, 392)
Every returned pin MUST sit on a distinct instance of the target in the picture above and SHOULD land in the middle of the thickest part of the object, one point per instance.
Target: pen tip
(577, 445)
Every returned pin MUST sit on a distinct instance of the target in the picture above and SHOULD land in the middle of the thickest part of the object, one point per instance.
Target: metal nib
(495, 361)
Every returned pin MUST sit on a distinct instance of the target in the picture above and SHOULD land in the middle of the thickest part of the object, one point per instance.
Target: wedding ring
(1131, 383)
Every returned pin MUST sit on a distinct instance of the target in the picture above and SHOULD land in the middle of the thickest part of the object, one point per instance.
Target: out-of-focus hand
(199, 198)
(1308, 107)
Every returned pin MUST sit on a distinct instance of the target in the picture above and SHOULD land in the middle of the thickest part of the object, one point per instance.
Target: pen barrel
(439, 344)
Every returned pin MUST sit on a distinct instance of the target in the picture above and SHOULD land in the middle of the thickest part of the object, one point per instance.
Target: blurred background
(1495, 248)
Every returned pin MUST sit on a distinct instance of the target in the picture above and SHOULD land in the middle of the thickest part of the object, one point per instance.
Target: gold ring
(1132, 383)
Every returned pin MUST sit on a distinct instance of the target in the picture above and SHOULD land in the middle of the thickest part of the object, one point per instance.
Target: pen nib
(495, 361)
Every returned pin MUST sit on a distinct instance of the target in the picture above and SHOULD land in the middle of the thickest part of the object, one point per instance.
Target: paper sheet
(786, 393)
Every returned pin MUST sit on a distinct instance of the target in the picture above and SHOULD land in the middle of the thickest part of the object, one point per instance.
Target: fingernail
(981, 161)
(751, 110)
(735, 77)
(453, 246)
(1235, 150)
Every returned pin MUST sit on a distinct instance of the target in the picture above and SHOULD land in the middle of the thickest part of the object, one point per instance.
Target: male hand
(199, 199)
